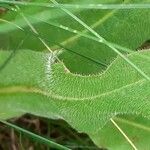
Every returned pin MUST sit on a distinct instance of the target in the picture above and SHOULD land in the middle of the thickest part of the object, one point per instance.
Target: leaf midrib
(25, 89)
(75, 37)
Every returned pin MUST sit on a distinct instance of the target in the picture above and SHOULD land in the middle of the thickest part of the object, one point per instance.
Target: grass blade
(43, 140)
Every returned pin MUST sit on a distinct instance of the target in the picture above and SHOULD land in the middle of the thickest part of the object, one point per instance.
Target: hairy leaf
(30, 84)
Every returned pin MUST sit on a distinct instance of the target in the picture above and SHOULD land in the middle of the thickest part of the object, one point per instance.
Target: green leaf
(136, 128)
(15, 20)
(114, 25)
(30, 84)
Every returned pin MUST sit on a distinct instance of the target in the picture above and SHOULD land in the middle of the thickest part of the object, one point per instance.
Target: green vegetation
(87, 64)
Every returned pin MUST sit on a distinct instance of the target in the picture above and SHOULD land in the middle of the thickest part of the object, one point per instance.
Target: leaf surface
(114, 25)
(30, 84)
(136, 128)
